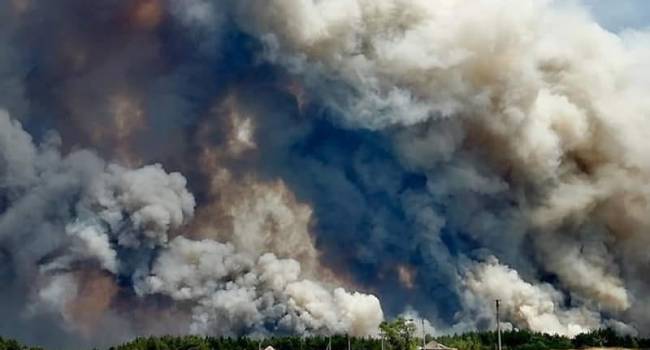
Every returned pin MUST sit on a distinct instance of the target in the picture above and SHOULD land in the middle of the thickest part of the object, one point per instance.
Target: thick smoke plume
(92, 224)
(245, 167)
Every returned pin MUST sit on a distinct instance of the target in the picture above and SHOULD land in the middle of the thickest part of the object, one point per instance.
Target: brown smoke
(95, 295)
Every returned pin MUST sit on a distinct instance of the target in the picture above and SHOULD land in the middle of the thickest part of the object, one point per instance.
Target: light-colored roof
(434, 345)
(269, 348)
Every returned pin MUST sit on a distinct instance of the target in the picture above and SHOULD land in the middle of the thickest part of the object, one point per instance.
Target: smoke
(95, 223)
(553, 125)
(232, 292)
(536, 307)
(310, 159)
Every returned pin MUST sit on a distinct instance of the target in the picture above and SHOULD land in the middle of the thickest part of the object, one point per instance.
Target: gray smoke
(497, 99)
(437, 154)
(92, 223)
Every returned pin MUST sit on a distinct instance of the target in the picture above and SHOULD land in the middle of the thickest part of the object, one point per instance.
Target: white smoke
(91, 242)
(155, 203)
(235, 291)
(421, 325)
(536, 307)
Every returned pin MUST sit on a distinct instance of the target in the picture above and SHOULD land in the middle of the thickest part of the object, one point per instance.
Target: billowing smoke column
(267, 158)
(74, 226)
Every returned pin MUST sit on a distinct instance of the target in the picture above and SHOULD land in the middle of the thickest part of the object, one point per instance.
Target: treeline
(10, 344)
(511, 340)
(339, 342)
(527, 340)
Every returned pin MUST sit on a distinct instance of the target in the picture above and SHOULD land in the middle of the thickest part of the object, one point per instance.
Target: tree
(398, 334)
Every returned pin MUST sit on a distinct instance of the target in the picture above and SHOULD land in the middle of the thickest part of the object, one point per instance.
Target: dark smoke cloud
(197, 165)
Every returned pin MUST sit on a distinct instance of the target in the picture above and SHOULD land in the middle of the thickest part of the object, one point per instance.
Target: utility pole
(329, 342)
(498, 326)
(424, 337)
(349, 342)
(382, 340)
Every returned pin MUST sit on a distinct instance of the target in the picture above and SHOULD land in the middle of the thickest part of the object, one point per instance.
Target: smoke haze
(262, 167)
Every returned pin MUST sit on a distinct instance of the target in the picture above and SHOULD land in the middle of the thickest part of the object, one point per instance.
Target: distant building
(434, 345)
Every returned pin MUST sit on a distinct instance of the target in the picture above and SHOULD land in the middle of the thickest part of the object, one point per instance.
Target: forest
(397, 335)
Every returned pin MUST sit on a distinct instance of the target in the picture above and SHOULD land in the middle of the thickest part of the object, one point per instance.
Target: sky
(620, 15)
